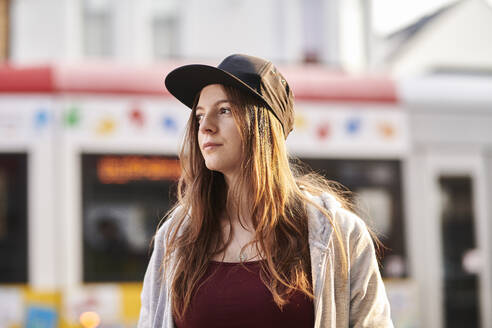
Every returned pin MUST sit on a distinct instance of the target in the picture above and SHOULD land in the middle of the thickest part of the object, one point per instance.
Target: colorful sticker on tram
(72, 116)
(169, 123)
(353, 125)
(387, 130)
(106, 126)
(41, 118)
(41, 317)
(300, 123)
(137, 117)
(323, 131)
(103, 300)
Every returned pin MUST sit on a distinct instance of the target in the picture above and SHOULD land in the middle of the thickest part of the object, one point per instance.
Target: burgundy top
(234, 296)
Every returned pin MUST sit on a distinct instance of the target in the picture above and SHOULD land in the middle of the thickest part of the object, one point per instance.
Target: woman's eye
(225, 110)
(198, 117)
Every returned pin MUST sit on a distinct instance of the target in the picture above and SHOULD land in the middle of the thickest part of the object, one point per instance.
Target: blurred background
(394, 100)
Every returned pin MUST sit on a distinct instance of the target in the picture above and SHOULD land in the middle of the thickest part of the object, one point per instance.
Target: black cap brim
(186, 82)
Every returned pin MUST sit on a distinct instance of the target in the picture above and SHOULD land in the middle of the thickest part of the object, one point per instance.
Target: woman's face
(218, 135)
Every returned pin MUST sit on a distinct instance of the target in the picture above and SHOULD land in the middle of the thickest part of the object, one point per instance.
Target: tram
(88, 168)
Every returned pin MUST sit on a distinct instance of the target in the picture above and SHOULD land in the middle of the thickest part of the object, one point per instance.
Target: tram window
(376, 192)
(461, 261)
(124, 198)
(13, 218)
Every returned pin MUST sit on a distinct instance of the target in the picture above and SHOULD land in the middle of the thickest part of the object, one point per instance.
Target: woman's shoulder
(168, 224)
(348, 223)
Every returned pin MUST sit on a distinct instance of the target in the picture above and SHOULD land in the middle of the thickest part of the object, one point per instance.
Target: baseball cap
(253, 75)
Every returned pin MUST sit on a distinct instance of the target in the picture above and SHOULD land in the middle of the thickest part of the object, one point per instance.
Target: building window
(164, 25)
(98, 30)
(312, 19)
(164, 37)
(13, 218)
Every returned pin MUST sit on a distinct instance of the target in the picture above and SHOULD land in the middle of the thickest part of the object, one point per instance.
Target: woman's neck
(238, 224)
(238, 229)
(239, 213)
(239, 207)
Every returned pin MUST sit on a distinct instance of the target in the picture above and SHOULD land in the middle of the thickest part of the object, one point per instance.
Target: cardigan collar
(319, 226)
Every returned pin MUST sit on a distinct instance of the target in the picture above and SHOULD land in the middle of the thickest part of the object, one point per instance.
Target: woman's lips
(210, 145)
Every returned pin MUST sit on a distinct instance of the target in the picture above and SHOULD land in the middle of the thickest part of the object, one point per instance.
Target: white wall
(460, 38)
(352, 50)
(37, 30)
(214, 29)
(281, 30)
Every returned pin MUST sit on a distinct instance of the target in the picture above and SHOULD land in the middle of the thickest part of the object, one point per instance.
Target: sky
(390, 15)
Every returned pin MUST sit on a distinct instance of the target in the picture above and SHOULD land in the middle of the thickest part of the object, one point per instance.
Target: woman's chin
(213, 167)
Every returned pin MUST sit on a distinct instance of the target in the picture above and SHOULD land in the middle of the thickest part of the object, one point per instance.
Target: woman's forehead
(212, 91)
(213, 95)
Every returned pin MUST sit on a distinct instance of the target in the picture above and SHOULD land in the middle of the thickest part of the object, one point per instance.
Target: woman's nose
(208, 125)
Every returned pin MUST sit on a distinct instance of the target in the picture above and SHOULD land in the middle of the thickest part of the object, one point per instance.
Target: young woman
(252, 242)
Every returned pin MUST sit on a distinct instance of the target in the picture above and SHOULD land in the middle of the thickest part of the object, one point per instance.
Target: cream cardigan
(360, 301)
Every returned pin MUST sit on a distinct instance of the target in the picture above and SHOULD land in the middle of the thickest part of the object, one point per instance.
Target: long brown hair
(279, 213)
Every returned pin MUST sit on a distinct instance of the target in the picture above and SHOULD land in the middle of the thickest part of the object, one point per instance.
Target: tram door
(13, 219)
(459, 224)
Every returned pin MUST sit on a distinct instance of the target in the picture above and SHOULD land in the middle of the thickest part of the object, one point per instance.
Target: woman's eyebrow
(218, 102)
